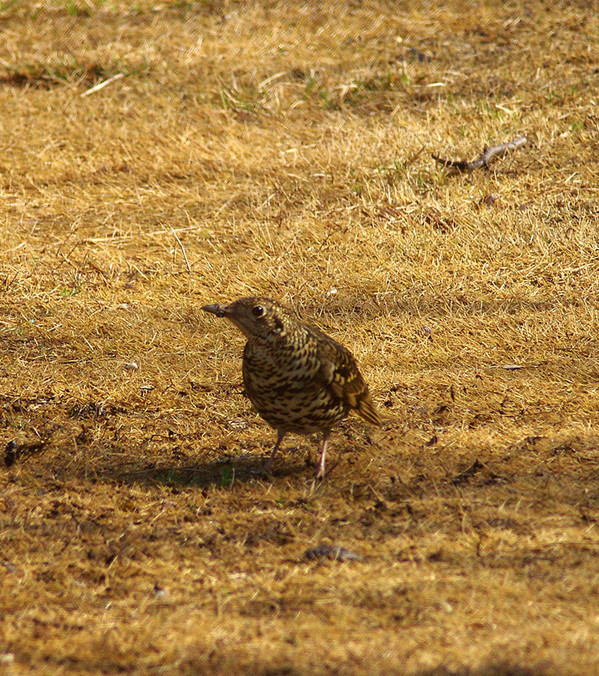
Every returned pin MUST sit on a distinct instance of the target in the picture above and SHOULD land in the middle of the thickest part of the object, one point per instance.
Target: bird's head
(260, 319)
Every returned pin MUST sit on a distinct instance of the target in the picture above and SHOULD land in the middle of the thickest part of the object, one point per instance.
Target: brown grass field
(285, 149)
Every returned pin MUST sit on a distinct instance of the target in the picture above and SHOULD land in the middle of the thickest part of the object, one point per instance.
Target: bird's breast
(285, 384)
(282, 361)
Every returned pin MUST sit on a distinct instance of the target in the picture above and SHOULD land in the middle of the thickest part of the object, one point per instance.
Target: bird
(299, 379)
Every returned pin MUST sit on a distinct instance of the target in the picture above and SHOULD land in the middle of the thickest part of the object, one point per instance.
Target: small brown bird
(298, 378)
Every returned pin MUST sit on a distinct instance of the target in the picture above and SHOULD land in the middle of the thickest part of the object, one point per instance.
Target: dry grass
(289, 147)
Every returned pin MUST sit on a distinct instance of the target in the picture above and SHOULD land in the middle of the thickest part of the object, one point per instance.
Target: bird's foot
(266, 469)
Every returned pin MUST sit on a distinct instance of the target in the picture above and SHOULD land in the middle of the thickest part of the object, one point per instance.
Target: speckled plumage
(298, 378)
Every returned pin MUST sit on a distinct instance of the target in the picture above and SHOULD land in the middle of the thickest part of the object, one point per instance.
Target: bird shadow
(217, 474)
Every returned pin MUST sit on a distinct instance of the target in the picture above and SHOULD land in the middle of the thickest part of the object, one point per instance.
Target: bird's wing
(340, 372)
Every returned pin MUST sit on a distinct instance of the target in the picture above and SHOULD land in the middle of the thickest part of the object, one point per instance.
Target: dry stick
(485, 158)
(103, 84)
(182, 248)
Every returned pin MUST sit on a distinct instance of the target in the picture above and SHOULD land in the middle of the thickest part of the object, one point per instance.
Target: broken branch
(101, 85)
(485, 158)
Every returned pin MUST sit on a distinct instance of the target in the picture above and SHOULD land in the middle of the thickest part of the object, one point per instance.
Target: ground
(157, 156)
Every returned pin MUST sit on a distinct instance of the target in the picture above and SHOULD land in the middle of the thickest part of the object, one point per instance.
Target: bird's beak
(216, 309)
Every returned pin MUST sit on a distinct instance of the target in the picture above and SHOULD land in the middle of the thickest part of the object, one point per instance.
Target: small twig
(485, 158)
(182, 248)
(331, 552)
(513, 367)
(102, 84)
(414, 157)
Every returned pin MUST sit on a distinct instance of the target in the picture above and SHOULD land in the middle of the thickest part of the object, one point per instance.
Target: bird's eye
(258, 311)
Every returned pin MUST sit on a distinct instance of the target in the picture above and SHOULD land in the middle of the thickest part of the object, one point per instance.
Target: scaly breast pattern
(284, 382)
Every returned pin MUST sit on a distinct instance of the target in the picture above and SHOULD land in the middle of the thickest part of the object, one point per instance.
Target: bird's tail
(366, 409)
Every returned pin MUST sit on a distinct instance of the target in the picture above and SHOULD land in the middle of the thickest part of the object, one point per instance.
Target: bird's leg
(268, 464)
(323, 454)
